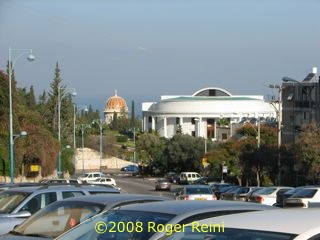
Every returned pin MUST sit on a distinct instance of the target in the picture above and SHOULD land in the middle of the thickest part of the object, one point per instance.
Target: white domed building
(199, 114)
(115, 105)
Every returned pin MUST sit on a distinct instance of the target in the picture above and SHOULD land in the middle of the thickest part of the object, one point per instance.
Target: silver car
(17, 204)
(62, 215)
(280, 224)
(150, 220)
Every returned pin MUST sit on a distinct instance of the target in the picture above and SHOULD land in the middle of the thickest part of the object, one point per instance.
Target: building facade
(300, 105)
(200, 114)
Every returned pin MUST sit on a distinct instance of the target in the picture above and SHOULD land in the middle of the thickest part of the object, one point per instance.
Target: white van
(188, 177)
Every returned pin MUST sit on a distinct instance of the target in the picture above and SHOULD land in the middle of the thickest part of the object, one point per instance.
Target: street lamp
(134, 143)
(10, 69)
(83, 128)
(100, 123)
(77, 108)
(279, 119)
(60, 97)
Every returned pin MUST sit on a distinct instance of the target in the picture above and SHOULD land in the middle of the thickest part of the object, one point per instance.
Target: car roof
(197, 186)
(177, 207)
(295, 221)
(114, 198)
(46, 187)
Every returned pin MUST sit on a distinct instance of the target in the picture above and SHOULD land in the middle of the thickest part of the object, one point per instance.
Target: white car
(196, 192)
(278, 224)
(267, 195)
(303, 198)
(91, 176)
(105, 180)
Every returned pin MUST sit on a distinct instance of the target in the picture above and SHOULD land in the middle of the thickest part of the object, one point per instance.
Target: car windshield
(265, 191)
(10, 200)
(85, 175)
(56, 219)
(243, 190)
(305, 193)
(119, 224)
(199, 190)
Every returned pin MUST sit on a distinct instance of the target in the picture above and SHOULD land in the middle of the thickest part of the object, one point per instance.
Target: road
(138, 185)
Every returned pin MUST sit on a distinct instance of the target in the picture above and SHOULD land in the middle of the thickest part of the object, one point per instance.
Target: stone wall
(89, 160)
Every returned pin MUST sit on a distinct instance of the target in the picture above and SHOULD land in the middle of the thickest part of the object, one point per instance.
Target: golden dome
(115, 104)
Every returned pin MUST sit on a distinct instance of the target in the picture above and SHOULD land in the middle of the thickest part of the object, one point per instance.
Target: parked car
(173, 177)
(5, 186)
(133, 169)
(147, 219)
(219, 188)
(230, 193)
(267, 195)
(62, 215)
(188, 177)
(62, 181)
(281, 196)
(105, 181)
(91, 176)
(242, 193)
(303, 198)
(196, 192)
(249, 194)
(206, 181)
(17, 204)
(162, 184)
(279, 224)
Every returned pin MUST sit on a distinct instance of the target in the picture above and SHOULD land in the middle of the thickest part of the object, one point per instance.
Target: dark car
(133, 169)
(219, 188)
(206, 181)
(230, 193)
(173, 177)
(62, 215)
(243, 192)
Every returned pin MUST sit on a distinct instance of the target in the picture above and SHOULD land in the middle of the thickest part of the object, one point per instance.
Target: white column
(199, 127)
(165, 127)
(153, 124)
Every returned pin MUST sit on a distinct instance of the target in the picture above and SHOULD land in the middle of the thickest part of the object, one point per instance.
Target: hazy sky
(148, 48)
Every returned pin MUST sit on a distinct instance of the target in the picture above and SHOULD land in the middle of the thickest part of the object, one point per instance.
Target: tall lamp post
(76, 108)
(61, 95)
(100, 123)
(83, 127)
(279, 119)
(10, 69)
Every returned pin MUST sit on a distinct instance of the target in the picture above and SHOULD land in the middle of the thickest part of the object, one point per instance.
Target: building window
(177, 120)
(224, 136)
(193, 133)
(193, 121)
(150, 119)
(210, 121)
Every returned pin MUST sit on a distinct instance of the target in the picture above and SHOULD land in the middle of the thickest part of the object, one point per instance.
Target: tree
(150, 150)
(257, 160)
(308, 152)
(185, 153)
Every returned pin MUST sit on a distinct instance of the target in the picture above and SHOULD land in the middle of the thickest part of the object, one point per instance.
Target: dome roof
(115, 103)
